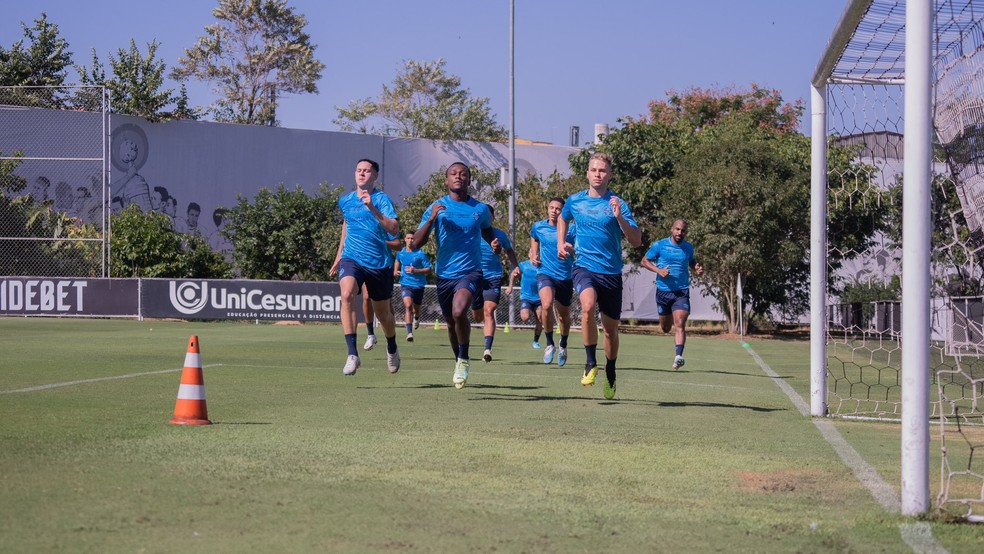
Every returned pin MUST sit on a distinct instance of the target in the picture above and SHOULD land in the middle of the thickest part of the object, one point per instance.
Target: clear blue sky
(577, 62)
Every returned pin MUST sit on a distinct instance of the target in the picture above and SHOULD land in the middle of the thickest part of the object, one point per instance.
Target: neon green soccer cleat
(609, 389)
(460, 373)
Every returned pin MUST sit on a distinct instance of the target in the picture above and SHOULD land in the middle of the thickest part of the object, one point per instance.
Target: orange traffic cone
(190, 408)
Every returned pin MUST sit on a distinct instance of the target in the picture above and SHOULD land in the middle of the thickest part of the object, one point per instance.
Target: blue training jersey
(677, 257)
(550, 264)
(598, 244)
(458, 232)
(412, 258)
(365, 238)
(527, 284)
(491, 262)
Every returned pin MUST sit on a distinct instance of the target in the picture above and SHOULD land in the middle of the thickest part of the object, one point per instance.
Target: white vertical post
(512, 121)
(504, 180)
(916, 233)
(818, 252)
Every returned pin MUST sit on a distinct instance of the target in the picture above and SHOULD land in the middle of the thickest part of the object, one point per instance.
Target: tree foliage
(41, 61)
(11, 184)
(256, 52)
(144, 244)
(136, 86)
(956, 249)
(286, 235)
(423, 102)
(732, 164)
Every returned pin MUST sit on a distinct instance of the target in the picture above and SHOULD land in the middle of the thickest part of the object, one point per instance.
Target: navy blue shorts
(491, 292)
(378, 282)
(608, 289)
(447, 287)
(563, 290)
(531, 305)
(668, 302)
(416, 293)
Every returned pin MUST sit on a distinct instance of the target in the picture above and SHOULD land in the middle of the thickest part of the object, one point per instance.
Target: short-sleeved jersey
(412, 258)
(527, 283)
(598, 244)
(550, 264)
(458, 232)
(679, 258)
(365, 238)
(491, 262)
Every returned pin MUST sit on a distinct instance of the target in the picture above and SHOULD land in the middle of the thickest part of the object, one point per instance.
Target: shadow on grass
(699, 371)
(242, 423)
(541, 398)
(449, 385)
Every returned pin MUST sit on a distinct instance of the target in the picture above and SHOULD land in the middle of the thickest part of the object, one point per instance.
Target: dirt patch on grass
(790, 480)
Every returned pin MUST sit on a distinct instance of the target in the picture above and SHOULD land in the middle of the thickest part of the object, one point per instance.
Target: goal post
(916, 233)
(899, 86)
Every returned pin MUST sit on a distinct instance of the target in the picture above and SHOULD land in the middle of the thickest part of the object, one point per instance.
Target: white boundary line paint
(95, 380)
(919, 536)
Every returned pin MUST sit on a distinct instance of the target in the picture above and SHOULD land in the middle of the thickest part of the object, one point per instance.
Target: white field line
(919, 536)
(96, 380)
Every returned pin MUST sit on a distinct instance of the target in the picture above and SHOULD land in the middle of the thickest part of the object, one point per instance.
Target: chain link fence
(508, 312)
(53, 180)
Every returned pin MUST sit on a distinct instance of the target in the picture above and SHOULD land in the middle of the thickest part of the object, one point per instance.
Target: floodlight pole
(512, 121)
(512, 135)
(916, 244)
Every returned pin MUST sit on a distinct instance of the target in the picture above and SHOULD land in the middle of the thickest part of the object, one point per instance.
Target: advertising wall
(171, 298)
(33, 296)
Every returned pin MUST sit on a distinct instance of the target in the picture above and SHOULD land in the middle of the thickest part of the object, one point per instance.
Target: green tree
(956, 249)
(256, 52)
(10, 184)
(423, 102)
(41, 62)
(748, 206)
(143, 244)
(285, 234)
(136, 87)
(56, 250)
(732, 164)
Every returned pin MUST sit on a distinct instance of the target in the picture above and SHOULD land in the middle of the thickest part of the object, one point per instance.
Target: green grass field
(711, 458)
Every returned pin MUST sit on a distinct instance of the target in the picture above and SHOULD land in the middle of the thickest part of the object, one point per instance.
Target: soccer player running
(366, 258)
(671, 259)
(412, 267)
(529, 298)
(602, 220)
(485, 304)
(554, 281)
(459, 223)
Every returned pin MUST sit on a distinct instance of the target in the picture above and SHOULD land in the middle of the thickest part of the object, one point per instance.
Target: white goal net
(869, 72)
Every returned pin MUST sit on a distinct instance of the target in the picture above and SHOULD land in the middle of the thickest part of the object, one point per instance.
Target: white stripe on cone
(193, 359)
(191, 392)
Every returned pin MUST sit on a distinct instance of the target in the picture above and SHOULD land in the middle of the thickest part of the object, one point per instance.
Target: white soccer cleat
(460, 373)
(352, 363)
(548, 354)
(536, 344)
(678, 362)
(561, 356)
(487, 356)
(409, 337)
(416, 322)
(393, 361)
(370, 342)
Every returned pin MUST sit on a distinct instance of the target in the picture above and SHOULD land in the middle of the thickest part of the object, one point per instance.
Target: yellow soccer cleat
(589, 376)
